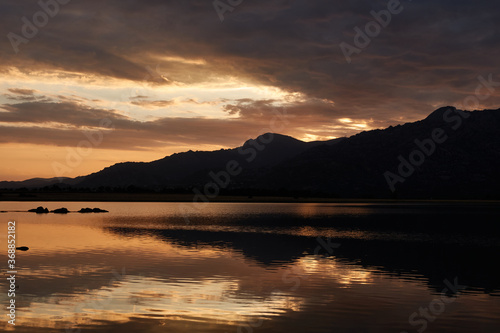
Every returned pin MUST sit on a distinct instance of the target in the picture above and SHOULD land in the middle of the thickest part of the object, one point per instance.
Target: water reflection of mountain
(473, 265)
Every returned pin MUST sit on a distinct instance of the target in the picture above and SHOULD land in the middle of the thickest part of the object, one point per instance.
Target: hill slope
(192, 168)
(449, 154)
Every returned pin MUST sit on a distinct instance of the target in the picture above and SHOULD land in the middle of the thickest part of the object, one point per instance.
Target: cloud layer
(197, 80)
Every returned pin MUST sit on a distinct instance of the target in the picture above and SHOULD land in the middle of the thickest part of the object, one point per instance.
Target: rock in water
(61, 211)
(39, 210)
(94, 210)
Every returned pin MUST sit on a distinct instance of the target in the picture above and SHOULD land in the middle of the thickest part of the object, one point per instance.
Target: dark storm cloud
(429, 55)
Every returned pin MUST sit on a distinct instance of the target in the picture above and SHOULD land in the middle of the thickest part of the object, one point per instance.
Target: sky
(86, 84)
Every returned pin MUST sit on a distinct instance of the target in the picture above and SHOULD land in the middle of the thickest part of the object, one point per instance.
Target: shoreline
(186, 198)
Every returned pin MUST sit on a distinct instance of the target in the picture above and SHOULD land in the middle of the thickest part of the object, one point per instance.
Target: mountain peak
(273, 138)
(438, 115)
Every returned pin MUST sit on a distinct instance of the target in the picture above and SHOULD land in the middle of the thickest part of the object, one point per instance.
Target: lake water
(249, 267)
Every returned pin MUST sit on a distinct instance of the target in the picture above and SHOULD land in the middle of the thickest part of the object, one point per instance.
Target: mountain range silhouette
(451, 154)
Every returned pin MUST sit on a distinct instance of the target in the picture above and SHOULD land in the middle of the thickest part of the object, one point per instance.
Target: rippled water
(231, 267)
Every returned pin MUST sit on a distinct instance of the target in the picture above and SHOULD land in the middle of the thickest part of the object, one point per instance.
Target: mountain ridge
(363, 165)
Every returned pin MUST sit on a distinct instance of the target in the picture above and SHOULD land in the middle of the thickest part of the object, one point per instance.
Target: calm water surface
(231, 267)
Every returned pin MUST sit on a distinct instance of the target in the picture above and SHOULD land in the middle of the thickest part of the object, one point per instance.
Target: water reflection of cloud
(332, 269)
(135, 296)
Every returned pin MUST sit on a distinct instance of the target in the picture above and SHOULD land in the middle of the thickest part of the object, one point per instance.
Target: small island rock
(39, 210)
(92, 210)
(61, 211)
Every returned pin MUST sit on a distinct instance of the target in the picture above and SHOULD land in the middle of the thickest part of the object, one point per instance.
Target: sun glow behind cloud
(172, 76)
(194, 100)
(150, 105)
(136, 102)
